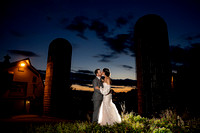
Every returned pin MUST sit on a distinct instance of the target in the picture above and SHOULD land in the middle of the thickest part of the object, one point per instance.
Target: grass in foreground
(168, 122)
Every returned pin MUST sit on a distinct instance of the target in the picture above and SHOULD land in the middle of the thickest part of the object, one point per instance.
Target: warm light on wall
(27, 61)
(172, 82)
(27, 101)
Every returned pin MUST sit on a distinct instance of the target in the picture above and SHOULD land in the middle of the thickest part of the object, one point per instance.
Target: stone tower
(57, 81)
(152, 64)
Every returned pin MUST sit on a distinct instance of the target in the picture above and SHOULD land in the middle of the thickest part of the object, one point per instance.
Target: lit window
(22, 64)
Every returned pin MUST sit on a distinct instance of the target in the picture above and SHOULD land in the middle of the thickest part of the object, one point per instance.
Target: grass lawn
(168, 122)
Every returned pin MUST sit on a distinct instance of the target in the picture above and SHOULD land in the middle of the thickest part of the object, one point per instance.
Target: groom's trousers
(97, 104)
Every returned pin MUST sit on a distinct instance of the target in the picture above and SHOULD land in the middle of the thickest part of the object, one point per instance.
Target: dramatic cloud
(85, 72)
(190, 38)
(106, 57)
(100, 28)
(185, 56)
(127, 67)
(23, 53)
(121, 21)
(119, 43)
(79, 24)
(82, 36)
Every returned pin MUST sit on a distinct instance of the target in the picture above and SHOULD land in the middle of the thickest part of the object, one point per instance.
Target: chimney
(6, 59)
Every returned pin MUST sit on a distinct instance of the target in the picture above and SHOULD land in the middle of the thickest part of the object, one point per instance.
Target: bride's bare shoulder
(108, 81)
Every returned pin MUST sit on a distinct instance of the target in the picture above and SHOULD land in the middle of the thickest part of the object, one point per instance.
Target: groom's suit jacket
(97, 94)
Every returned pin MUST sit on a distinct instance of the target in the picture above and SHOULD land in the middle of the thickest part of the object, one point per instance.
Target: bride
(108, 113)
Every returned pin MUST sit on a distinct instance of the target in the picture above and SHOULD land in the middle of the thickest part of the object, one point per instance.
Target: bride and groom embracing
(105, 111)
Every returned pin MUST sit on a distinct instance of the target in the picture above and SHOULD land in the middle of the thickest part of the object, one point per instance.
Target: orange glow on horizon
(117, 89)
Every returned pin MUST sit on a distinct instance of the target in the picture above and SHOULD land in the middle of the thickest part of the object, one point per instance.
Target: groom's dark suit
(96, 98)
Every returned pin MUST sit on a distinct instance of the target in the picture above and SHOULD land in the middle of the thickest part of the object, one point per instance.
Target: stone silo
(152, 64)
(57, 81)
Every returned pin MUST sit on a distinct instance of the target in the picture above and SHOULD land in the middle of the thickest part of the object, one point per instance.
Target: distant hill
(82, 78)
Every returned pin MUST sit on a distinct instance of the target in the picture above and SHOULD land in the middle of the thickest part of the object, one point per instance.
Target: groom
(97, 96)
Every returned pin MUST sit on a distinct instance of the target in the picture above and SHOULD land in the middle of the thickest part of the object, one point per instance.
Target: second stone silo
(152, 64)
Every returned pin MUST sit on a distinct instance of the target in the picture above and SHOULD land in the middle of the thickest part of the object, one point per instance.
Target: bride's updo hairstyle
(107, 72)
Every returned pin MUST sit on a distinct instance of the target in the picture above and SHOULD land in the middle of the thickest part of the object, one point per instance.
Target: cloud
(185, 56)
(78, 24)
(190, 38)
(100, 28)
(127, 67)
(23, 53)
(119, 43)
(132, 54)
(82, 36)
(85, 72)
(106, 57)
(121, 21)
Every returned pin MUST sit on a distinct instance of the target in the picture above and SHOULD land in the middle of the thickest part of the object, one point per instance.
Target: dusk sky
(95, 29)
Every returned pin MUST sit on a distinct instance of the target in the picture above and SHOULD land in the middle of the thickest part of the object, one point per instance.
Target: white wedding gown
(108, 113)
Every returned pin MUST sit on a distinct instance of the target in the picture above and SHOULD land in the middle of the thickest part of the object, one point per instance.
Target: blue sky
(30, 26)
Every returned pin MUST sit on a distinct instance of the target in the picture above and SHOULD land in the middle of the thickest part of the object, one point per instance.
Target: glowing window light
(22, 64)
